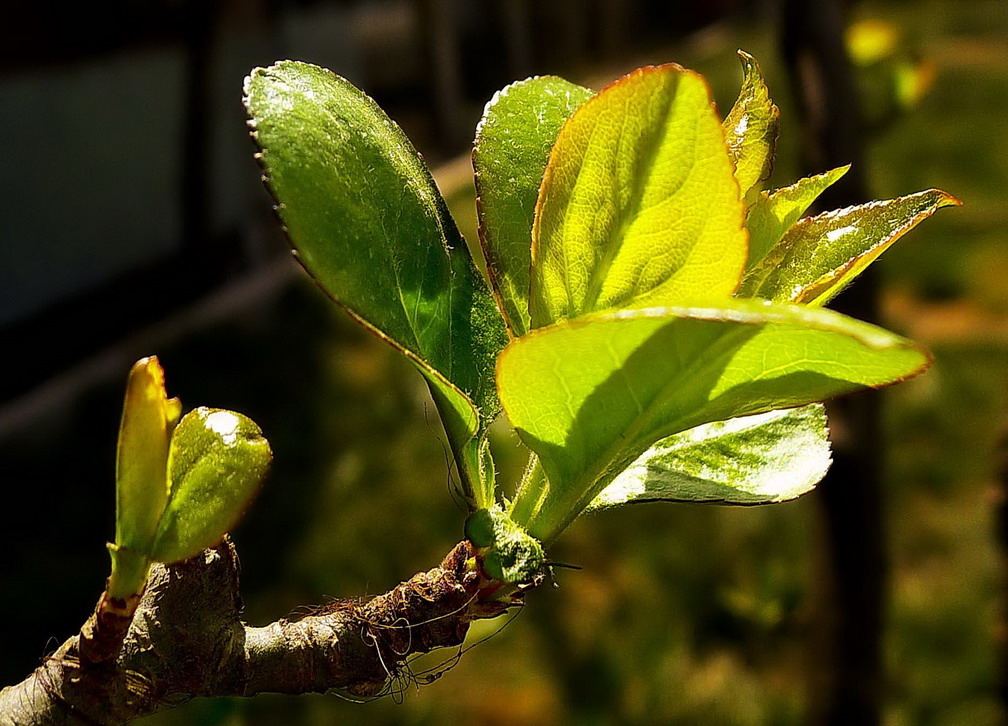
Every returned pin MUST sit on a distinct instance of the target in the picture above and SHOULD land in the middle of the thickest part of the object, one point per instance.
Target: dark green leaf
(508, 553)
(368, 223)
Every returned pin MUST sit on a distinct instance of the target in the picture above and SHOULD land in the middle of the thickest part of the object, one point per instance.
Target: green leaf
(821, 255)
(216, 464)
(751, 127)
(513, 142)
(760, 459)
(773, 213)
(591, 395)
(639, 202)
(148, 419)
(368, 223)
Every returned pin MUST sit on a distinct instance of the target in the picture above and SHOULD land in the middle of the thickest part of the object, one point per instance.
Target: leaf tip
(947, 200)
(926, 360)
(747, 60)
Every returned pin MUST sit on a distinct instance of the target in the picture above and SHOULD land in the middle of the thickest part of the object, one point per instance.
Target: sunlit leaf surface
(591, 395)
(217, 463)
(751, 127)
(638, 202)
(773, 213)
(821, 255)
(148, 419)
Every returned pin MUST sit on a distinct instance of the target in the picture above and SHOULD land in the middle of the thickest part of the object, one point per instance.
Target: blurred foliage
(712, 624)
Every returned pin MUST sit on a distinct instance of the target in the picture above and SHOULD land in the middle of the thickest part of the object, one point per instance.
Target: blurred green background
(680, 614)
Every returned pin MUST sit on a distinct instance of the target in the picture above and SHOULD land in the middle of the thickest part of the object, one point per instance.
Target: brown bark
(187, 639)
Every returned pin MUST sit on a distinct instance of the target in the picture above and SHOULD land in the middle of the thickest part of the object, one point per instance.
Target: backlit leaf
(591, 395)
(821, 255)
(368, 223)
(513, 142)
(751, 127)
(773, 213)
(217, 463)
(148, 419)
(760, 459)
(638, 202)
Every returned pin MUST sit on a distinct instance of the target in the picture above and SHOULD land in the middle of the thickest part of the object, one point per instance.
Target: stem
(530, 494)
(129, 573)
(187, 639)
(487, 475)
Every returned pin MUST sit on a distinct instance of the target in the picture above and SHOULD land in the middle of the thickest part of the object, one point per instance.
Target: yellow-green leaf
(591, 395)
(821, 255)
(751, 127)
(638, 202)
(774, 213)
(148, 419)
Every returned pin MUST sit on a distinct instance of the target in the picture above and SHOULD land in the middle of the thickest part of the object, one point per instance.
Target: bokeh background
(136, 224)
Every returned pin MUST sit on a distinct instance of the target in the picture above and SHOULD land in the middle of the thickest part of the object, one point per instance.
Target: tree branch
(187, 639)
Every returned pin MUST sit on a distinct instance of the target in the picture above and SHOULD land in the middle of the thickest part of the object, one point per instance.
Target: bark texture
(187, 639)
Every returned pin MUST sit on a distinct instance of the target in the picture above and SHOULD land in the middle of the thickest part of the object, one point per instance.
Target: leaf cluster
(651, 320)
(182, 482)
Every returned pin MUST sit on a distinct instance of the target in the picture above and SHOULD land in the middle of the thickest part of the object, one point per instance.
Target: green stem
(129, 573)
(486, 491)
(530, 494)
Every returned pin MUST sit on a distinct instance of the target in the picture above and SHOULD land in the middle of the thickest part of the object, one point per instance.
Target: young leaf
(760, 459)
(513, 142)
(507, 552)
(368, 223)
(821, 255)
(751, 127)
(216, 465)
(773, 213)
(638, 202)
(148, 419)
(591, 395)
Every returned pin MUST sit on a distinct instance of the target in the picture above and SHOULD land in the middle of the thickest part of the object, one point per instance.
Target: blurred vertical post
(848, 674)
(439, 21)
(1002, 538)
(199, 24)
(517, 31)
